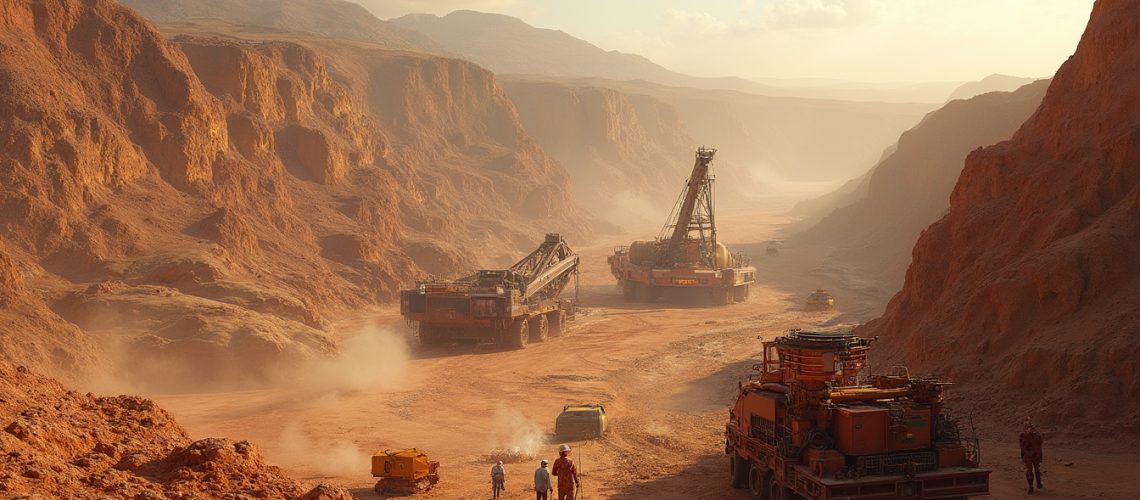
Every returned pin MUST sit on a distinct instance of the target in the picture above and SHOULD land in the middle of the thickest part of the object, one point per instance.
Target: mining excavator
(686, 254)
(814, 422)
(512, 306)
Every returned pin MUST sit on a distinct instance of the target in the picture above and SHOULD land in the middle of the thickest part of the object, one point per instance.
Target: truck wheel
(629, 290)
(738, 469)
(652, 293)
(777, 490)
(538, 328)
(519, 334)
(740, 293)
(555, 324)
(758, 480)
(722, 296)
(427, 335)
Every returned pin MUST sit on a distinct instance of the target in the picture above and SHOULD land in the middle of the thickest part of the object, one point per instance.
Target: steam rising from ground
(514, 437)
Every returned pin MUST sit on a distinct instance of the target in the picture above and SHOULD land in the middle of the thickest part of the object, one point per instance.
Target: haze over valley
(223, 223)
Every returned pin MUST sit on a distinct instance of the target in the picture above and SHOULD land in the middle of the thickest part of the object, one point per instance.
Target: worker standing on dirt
(566, 472)
(542, 486)
(498, 478)
(1031, 454)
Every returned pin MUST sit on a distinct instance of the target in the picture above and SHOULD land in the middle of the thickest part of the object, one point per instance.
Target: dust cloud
(296, 449)
(513, 436)
(376, 358)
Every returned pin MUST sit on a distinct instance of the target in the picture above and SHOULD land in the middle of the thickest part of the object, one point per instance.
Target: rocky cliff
(1028, 291)
(910, 188)
(628, 154)
(992, 83)
(193, 206)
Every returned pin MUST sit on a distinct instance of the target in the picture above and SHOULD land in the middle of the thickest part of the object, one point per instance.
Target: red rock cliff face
(1028, 291)
(200, 208)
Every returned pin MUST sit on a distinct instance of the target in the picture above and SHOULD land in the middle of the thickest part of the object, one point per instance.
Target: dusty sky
(861, 40)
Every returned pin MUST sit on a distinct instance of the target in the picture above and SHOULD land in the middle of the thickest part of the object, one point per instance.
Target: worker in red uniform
(1031, 454)
(566, 472)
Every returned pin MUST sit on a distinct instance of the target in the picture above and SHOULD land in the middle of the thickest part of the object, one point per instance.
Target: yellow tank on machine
(404, 471)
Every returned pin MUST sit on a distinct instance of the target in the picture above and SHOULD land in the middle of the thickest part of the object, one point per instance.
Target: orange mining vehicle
(403, 472)
(513, 306)
(815, 424)
(686, 254)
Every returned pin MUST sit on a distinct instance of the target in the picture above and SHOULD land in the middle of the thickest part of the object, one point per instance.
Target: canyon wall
(1027, 293)
(910, 188)
(200, 209)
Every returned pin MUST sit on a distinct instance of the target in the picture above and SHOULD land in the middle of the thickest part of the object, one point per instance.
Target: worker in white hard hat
(498, 478)
(542, 484)
(566, 472)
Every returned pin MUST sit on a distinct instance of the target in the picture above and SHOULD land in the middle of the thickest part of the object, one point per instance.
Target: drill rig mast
(693, 212)
(686, 254)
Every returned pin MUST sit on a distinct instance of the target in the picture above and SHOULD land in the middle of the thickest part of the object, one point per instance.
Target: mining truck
(814, 423)
(513, 306)
(686, 254)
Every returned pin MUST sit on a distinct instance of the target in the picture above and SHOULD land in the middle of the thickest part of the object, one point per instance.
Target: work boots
(1030, 490)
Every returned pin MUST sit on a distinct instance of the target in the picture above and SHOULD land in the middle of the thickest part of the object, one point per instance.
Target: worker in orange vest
(566, 472)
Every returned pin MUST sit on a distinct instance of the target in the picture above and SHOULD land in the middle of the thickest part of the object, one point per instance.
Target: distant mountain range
(507, 45)
(331, 18)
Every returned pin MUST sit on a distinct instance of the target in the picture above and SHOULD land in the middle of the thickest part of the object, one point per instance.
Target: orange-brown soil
(66, 444)
(666, 372)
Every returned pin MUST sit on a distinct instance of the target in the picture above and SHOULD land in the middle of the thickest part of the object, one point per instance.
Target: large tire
(777, 490)
(629, 290)
(758, 480)
(538, 328)
(738, 470)
(652, 293)
(518, 335)
(427, 335)
(556, 322)
(722, 296)
(740, 293)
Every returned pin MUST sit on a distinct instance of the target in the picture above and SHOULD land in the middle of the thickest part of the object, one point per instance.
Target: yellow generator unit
(404, 471)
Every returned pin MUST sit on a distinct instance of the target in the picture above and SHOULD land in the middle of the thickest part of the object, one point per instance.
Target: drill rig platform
(686, 254)
(815, 423)
(514, 306)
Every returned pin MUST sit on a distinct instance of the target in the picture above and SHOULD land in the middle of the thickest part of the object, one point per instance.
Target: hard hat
(563, 448)
(545, 461)
(500, 462)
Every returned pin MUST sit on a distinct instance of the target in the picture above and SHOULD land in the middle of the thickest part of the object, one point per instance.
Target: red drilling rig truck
(815, 424)
(686, 254)
(513, 307)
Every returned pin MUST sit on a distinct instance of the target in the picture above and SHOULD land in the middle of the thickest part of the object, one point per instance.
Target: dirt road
(667, 374)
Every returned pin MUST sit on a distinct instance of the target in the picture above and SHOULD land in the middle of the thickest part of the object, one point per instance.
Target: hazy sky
(865, 40)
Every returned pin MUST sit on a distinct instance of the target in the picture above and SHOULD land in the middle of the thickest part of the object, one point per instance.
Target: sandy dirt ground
(666, 372)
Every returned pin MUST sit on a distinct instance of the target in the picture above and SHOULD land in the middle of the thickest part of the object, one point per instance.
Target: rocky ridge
(1027, 293)
(71, 445)
(214, 199)
(910, 188)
